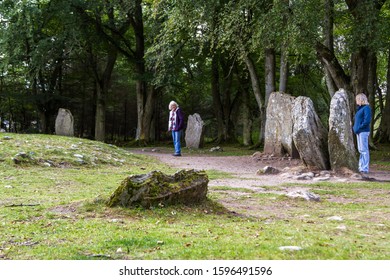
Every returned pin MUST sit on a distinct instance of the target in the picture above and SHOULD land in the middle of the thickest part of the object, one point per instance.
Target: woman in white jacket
(176, 125)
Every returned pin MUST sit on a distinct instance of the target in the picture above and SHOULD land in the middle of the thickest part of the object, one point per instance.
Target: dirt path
(243, 170)
(235, 191)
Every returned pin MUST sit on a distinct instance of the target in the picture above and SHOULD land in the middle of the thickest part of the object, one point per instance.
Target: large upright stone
(278, 129)
(64, 123)
(342, 151)
(195, 132)
(309, 135)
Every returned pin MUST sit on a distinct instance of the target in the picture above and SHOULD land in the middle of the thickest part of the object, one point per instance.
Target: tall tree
(124, 30)
(33, 42)
(364, 15)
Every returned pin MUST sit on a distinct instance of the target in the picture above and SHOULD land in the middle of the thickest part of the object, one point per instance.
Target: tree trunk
(227, 101)
(100, 118)
(146, 116)
(359, 71)
(371, 86)
(215, 88)
(331, 63)
(328, 30)
(145, 95)
(257, 92)
(221, 93)
(283, 70)
(383, 134)
(269, 74)
(103, 85)
(246, 120)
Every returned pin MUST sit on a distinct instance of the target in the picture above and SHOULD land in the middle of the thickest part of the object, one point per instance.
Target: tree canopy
(117, 64)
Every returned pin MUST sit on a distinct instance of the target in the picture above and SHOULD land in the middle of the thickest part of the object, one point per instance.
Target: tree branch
(330, 62)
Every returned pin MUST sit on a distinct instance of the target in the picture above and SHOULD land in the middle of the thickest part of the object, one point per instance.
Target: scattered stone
(80, 161)
(290, 248)
(22, 157)
(216, 149)
(304, 194)
(335, 218)
(78, 156)
(321, 179)
(306, 176)
(287, 175)
(257, 154)
(157, 188)
(342, 227)
(64, 123)
(342, 180)
(8, 187)
(7, 138)
(325, 173)
(268, 170)
(194, 136)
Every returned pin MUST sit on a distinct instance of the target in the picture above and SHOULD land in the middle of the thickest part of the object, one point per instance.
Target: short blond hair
(171, 104)
(361, 98)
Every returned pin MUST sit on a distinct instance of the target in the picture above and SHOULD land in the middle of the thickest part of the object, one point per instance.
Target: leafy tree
(32, 43)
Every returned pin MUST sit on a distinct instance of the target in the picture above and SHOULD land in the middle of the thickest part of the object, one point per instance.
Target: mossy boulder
(157, 188)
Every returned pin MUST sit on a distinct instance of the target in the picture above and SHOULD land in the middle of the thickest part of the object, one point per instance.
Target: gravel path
(242, 169)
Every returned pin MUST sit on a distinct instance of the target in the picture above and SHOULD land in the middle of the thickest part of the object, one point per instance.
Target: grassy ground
(53, 189)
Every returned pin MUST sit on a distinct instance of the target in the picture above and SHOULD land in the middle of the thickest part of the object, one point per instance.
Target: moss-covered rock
(157, 188)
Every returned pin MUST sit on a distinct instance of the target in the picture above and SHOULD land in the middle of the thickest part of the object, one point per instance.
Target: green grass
(58, 212)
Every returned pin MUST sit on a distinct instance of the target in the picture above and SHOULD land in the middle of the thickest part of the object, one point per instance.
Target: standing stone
(195, 132)
(309, 135)
(341, 146)
(64, 123)
(278, 129)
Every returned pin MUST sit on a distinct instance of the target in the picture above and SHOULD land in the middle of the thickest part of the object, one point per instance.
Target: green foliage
(52, 51)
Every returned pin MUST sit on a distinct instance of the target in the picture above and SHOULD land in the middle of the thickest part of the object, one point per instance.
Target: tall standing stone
(278, 129)
(342, 152)
(309, 135)
(195, 132)
(64, 123)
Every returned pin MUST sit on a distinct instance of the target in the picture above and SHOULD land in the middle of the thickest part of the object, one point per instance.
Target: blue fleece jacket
(362, 119)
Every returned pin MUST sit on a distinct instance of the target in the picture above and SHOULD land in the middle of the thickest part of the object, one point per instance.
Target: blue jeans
(364, 159)
(176, 135)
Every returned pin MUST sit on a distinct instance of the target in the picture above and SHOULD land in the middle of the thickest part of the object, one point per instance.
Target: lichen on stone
(185, 186)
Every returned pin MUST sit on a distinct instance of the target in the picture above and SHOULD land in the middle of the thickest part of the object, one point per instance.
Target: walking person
(176, 125)
(361, 128)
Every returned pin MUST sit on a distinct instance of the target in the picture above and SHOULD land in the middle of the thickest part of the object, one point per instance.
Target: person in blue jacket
(361, 128)
(176, 125)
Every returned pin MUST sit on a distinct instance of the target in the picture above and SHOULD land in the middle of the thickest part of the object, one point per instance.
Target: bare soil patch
(243, 169)
(242, 181)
